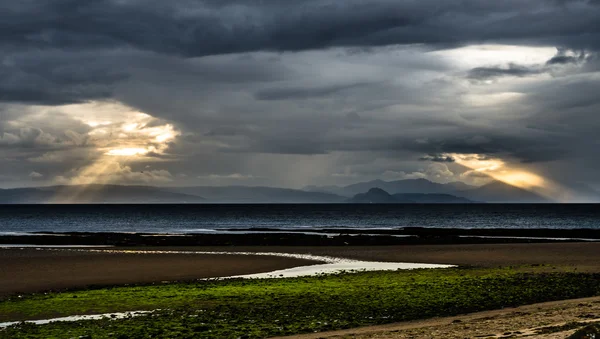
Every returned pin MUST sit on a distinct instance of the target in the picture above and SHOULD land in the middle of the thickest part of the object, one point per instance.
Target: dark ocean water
(210, 218)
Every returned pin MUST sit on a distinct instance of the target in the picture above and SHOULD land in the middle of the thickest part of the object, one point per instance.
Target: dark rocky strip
(330, 237)
(580, 233)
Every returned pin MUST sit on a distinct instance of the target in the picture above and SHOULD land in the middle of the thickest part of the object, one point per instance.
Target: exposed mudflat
(33, 270)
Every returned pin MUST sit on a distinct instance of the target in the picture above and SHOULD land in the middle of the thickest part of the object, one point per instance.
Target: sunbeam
(497, 169)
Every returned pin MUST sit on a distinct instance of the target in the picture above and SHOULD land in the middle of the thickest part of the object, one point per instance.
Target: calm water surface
(211, 218)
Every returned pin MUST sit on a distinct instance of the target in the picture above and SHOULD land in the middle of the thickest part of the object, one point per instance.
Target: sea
(215, 218)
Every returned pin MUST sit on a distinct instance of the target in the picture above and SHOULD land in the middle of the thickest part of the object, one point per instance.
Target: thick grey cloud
(66, 51)
(197, 28)
(482, 73)
(562, 58)
(437, 158)
(291, 93)
(302, 93)
(55, 77)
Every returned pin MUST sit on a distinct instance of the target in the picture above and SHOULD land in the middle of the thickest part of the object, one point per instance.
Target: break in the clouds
(292, 93)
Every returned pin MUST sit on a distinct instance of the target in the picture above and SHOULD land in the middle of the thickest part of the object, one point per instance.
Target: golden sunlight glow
(499, 170)
(139, 140)
(127, 152)
(121, 136)
(164, 137)
(97, 123)
(521, 179)
(129, 127)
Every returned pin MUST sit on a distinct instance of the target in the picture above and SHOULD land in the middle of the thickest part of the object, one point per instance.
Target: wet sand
(31, 270)
(583, 256)
(580, 255)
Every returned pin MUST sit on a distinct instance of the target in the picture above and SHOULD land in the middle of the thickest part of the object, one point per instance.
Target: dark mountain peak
(399, 186)
(379, 196)
(378, 191)
(375, 195)
(433, 198)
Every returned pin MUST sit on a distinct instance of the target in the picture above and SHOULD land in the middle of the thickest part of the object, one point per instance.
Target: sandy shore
(31, 270)
(583, 256)
(35, 270)
(580, 255)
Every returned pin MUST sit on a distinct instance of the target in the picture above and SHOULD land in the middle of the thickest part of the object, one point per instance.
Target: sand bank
(65, 268)
(30, 270)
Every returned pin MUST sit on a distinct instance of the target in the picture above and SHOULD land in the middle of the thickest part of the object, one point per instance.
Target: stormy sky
(294, 93)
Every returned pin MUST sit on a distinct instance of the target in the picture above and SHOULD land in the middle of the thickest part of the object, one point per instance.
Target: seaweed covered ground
(547, 320)
(263, 308)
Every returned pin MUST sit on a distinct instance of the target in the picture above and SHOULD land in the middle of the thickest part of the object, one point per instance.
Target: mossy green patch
(261, 308)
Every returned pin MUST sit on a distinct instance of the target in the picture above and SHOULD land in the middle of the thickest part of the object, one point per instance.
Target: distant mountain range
(379, 196)
(257, 194)
(150, 194)
(433, 198)
(398, 186)
(496, 191)
(401, 191)
(94, 194)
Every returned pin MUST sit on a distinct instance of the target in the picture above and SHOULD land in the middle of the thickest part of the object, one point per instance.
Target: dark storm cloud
(437, 158)
(563, 100)
(304, 146)
(284, 92)
(197, 28)
(455, 144)
(483, 73)
(562, 57)
(542, 154)
(54, 77)
(70, 51)
(303, 92)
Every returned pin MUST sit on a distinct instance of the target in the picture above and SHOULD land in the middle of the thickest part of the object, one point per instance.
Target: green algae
(263, 308)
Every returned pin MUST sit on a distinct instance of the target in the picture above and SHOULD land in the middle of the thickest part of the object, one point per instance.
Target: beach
(30, 270)
(26, 270)
(77, 271)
